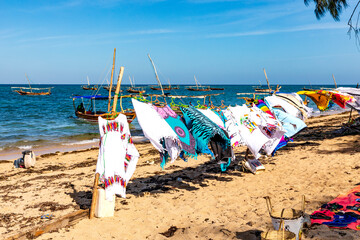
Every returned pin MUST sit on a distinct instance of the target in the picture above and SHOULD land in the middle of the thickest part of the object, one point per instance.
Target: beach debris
(29, 158)
(253, 165)
(19, 163)
(47, 216)
(170, 232)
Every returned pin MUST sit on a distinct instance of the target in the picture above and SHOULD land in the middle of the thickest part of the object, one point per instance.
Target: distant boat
(159, 86)
(215, 88)
(198, 87)
(113, 89)
(269, 89)
(89, 87)
(31, 91)
(134, 89)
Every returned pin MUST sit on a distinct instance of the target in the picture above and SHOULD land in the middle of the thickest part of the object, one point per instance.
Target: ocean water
(32, 121)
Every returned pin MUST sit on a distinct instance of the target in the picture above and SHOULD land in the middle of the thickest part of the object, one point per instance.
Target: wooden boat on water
(90, 113)
(134, 89)
(268, 90)
(89, 87)
(31, 91)
(198, 87)
(216, 88)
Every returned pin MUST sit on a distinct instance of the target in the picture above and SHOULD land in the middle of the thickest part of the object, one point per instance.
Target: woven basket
(278, 235)
(291, 219)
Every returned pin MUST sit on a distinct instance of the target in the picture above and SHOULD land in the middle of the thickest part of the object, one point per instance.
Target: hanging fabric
(117, 157)
(158, 131)
(277, 102)
(203, 129)
(213, 117)
(187, 141)
(292, 125)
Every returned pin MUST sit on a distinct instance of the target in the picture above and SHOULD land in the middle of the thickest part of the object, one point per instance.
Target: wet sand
(187, 200)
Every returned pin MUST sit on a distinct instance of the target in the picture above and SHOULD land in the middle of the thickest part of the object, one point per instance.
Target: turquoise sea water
(32, 121)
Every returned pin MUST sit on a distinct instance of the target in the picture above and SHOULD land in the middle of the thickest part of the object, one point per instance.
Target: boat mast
(87, 77)
(29, 82)
(267, 80)
(156, 75)
(111, 80)
(131, 82)
(334, 81)
(196, 82)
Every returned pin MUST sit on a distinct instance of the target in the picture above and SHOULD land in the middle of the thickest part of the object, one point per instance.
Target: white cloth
(233, 129)
(156, 129)
(274, 101)
(117, 157)
(250, 132)
(269, 126)
(212, 116)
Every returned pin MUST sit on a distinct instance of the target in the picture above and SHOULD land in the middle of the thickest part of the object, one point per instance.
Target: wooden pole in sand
(94, 196)
(121, 73)
(267, 80)
(111, 80)
(334, 81)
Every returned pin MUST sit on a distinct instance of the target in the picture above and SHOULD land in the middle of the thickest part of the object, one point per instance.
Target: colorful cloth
(262, 105)
(296, 102)
(117, 157)
(355, 92)
(203, 130)
(342, 212)
(249, 131)
(187, 141)
(158, 131)
(233, 129)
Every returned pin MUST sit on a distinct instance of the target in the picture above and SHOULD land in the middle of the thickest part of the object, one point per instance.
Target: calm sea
(33, 121)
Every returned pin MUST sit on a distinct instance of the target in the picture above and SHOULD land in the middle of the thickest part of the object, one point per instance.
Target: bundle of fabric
(342, 212)
(355, 92)
(262, 105)
(282, 103)
(117, 157)
(158, 131)
(204, 131)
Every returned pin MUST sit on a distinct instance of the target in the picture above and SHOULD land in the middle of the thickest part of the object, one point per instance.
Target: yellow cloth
(320, 98)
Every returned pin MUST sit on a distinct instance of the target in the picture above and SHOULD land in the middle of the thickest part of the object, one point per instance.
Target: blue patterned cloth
(203, 129)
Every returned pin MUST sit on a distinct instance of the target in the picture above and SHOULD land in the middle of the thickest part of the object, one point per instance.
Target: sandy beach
(187, 200)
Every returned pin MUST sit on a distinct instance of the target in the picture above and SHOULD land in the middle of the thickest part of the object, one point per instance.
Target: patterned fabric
(187, 141)
(203, 129)
(283, 142)
(117, 157)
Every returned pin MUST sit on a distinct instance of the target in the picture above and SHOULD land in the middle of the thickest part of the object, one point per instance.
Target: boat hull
(94, 117)
(32, 93)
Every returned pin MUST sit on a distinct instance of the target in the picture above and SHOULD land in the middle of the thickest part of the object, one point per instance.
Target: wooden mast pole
(334, 81)
(29, 82)
(121, 73)
(111, 80)
(267, 80)
(157, 77)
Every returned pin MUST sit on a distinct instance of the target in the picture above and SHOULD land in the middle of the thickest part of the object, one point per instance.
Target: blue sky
(219, 41)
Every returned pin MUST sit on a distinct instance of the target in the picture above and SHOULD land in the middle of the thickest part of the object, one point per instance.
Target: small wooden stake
(357, 86)
(334, 81)
(94, 196)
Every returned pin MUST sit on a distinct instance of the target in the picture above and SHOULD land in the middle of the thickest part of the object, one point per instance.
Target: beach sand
(187, 200)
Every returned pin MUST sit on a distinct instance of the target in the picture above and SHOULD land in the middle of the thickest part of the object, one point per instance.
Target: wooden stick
(111, 80)
(121, 73)
(334, 81)
(94, 196)
(65, 221)
(267, 80)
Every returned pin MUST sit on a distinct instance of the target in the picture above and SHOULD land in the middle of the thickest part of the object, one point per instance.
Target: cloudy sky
(219, 41)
